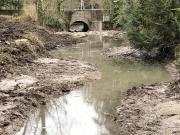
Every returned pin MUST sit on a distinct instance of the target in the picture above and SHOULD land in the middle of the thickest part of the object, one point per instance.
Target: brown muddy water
(85, 111)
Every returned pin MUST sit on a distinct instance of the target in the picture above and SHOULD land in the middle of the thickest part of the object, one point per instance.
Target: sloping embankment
(36, 84)
(30, 79)
(22, 42)
(150, 109)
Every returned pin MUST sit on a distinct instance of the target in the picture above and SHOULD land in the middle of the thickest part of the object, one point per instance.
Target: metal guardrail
(81, 6)
(86, 9)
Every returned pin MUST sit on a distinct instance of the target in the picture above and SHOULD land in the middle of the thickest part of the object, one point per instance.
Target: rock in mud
(171, 68)
(22, 81)
(170, 108)
(22, 41)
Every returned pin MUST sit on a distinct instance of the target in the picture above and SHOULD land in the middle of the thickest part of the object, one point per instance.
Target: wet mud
(130, 53)
(35, 84)
(29, 75)
(22, 42)
(150, 109)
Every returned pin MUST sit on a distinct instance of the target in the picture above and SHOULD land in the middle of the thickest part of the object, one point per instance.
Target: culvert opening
(79, 26)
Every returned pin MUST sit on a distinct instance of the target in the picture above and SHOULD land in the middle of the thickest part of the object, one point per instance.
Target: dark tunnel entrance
(79, 26)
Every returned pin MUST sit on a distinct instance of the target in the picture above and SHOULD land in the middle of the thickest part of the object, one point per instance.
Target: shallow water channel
(85, 111)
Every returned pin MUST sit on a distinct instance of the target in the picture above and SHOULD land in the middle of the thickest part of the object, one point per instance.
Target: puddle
(82, 112)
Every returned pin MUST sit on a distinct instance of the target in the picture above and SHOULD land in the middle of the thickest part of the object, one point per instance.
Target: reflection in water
(69, 115)
(82, 111)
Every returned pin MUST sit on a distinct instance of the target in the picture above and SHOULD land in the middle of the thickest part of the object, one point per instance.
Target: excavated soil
(150, 110)
(35, 84)
(29, 76)
(125, 52)
(107, 34)
(129, 53)
(21, 42)
(12, 30)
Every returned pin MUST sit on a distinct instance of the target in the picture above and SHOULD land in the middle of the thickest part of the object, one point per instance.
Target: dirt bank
(129, 53)
(22, 42)
(29, 76)
(173, 70)
(124, 52)
(35, 84)
(112, 34)
(150, 109)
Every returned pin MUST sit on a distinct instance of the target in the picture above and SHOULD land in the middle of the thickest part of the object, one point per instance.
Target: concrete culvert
(79, 26)
(80, 21)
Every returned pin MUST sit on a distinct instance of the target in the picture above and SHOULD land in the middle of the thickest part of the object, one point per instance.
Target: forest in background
(151, 24)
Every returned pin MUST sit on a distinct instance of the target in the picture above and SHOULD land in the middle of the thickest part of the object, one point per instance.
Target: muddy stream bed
(88, 109)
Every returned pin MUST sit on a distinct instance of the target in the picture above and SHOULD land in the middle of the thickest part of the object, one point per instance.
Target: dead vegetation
(21, 42)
